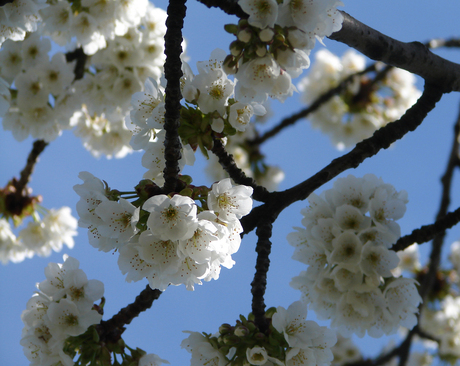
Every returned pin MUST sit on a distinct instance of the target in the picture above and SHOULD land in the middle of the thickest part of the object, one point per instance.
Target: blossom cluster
(274, 43)
(91, 22)
(62, 308)
(346, 239)
(40, 237)
(443, 323)
(291, 341)
(37, 80)
(168, 239)
(19, 17)
(125, 45)
(363, 106)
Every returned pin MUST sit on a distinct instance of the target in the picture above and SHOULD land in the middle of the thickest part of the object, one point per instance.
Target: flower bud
(231, 28)
(236, 47)
(244, 35)
(261, 51)
(241, 331)
(266, 35)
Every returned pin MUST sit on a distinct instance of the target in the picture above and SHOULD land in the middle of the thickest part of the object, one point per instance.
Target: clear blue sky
(414, 164)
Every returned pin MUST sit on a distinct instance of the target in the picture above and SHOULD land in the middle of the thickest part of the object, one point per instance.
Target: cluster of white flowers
(292, 341)
(364, 106)
(126, 43)
(19, 17)
(273, 45)
(62, 308)
(345, 243)
(345, 351)
(37, 79)
(91, 22)
(41, 236)
(444, 324)
(177, 245)
(409, 261)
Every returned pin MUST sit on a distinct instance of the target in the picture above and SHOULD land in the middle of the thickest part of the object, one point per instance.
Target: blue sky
(414, 164)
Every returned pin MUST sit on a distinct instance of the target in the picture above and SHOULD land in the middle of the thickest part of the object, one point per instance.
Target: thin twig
(37, 149)
(228, 163)
(427, 232)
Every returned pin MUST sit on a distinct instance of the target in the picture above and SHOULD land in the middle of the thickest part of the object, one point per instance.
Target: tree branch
(110, 331)
(259, 284)
(413, 57)
(230, 7)
(427, 232)
(81, 58)
(229, 165)
(381, 139)
(37, 149)
(173, 73)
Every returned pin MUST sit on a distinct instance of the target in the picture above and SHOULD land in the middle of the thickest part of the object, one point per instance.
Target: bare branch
(413, 57)
(111, 330)
(427, 232)
(230, 7)
(259, 284)
(381, 139)
(173, 73)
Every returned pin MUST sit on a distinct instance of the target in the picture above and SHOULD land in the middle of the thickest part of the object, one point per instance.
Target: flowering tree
(123, 83)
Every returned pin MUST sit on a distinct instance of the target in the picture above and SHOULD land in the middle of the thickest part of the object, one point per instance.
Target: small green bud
(225, 329)
(236, 47)
(231, 28)
(269, 312)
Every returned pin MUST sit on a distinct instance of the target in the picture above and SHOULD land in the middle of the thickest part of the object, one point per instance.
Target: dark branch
(447, 43)
(413, 57)
(381, 139)
(81, 58)
(37, 149)
(428, 232)
(238, 176)
(259, 284)
(173, 73)
(230, 7)
(111, 330)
